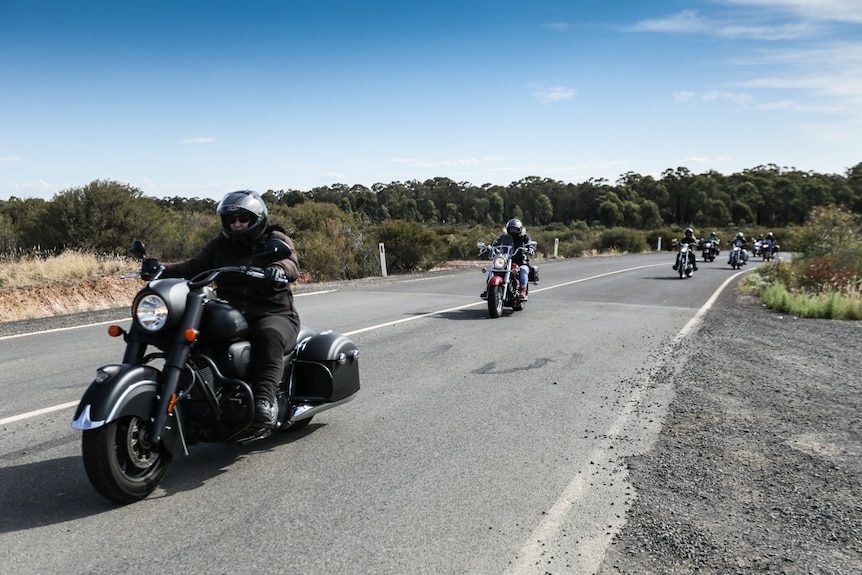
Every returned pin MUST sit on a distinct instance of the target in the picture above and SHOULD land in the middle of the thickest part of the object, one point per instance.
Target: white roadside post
(382, 259)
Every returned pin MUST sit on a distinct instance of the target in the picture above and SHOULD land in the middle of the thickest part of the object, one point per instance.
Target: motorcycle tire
(120, 463)
(495, 301)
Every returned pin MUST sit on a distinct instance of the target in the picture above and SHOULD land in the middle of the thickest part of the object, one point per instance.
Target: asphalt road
(476, 445)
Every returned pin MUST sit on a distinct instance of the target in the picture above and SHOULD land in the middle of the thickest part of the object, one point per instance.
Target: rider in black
(740, 241)
(267, 305)
(692, 244)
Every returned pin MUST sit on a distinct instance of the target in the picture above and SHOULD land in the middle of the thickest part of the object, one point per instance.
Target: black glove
(275, 275)
(149, 268)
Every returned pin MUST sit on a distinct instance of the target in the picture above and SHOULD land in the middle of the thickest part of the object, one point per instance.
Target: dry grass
(42, 286)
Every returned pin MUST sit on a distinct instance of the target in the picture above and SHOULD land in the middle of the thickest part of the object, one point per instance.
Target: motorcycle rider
(266, 304)
(715, 242)
(740, 241)
(770, 242)
(692, 242)
(516, 235)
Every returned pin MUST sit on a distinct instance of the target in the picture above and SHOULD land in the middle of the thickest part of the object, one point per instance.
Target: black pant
(270, 336)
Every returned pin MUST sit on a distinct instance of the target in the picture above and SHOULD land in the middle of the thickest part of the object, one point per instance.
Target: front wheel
(120, 461)
(495, 301)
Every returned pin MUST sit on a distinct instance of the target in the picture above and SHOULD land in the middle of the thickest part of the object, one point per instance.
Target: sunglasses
(241, 218)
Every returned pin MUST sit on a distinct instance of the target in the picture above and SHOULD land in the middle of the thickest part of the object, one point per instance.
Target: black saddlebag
(326, 368)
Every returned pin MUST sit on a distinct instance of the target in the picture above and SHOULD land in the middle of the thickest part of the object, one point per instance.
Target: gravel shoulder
(758, 467)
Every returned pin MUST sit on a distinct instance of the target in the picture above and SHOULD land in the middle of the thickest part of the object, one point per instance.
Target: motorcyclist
(740, 241)
(266, 304)
(517, 236)
(770, 242)
(712, 237)
(688, 238)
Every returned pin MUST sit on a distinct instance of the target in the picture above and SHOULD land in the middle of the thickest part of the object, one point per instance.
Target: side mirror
(273, 250)
(532, 243)
(138, 249)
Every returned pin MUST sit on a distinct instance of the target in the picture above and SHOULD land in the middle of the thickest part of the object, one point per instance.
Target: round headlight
(500, 263)
(151, 312)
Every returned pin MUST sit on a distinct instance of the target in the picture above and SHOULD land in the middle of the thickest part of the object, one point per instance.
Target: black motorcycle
(710, 250)
(191, 388)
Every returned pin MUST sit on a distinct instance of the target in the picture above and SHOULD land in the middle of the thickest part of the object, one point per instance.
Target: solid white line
(348, 334)
(38, 412)
(531, 553)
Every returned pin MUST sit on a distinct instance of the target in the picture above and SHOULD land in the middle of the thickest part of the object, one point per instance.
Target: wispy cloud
(13, 159)
(714, 96)
(702, 160)
(690, 22)
(420, 163)
(558, 26)
(197, 141)
(822, 10)
(549, 95)
(687, 21)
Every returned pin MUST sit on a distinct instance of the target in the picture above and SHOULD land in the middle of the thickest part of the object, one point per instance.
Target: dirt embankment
(67, 297)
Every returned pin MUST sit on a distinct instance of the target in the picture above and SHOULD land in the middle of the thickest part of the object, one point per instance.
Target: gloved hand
(149, 268)
(275, 275)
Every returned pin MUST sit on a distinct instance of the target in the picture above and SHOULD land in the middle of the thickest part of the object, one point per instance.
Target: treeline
(338, 228)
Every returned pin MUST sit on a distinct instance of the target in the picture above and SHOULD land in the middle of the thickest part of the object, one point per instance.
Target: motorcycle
(137, 415)
(756, 249)
(769, 249)
(710, 250)
(736, 260)
(504, 276)
(684, 265)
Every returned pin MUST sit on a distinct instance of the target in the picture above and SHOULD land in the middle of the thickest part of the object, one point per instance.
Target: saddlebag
(533, 275)
(326, 368)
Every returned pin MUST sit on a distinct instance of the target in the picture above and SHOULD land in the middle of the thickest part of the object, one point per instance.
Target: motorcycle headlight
(500, 263)
(151, 312)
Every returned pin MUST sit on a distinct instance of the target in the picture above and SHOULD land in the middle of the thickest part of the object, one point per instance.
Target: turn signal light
(191, 334)
(115, 331)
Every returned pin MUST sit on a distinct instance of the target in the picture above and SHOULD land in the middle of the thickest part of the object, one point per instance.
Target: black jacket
(253, 297)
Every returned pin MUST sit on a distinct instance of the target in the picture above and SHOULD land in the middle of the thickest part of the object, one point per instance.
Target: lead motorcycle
(504, 276)
(684, 265)
(182, 380)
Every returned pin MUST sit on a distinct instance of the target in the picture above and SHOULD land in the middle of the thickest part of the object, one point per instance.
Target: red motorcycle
(504, 277)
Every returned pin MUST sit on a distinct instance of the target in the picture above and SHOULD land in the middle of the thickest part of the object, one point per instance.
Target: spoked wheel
(120, 461)
(495, 301)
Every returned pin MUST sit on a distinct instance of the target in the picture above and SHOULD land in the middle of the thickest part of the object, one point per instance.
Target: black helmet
(239, 203)
(514, 227)
(769, 235)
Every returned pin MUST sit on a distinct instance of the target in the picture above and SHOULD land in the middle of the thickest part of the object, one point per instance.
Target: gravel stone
(758, 467)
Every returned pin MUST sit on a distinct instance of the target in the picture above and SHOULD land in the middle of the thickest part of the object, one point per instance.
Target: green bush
(409, 245)
(622, 240)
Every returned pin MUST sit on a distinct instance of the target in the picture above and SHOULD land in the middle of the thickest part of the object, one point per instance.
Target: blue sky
(197, 98)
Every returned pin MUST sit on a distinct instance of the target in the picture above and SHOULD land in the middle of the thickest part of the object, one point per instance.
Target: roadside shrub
(409, 245)
(622, 240)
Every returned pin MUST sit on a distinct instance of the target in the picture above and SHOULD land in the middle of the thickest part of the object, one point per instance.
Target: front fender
(117, 391)
(495, 280)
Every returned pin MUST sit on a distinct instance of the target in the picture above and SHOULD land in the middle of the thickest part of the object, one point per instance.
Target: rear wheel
(495, 301)
(120, 461)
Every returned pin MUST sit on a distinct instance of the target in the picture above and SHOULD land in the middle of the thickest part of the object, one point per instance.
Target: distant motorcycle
(736, 260)
(710, 250)
(504, 276)
(684, 265)
(193, 387)
(755, 250)
(768, 250)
